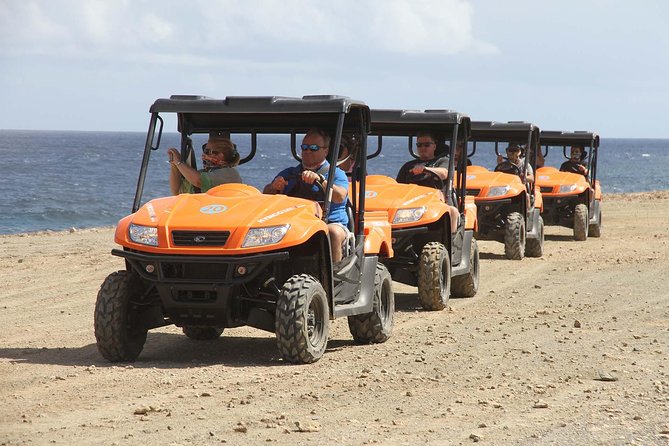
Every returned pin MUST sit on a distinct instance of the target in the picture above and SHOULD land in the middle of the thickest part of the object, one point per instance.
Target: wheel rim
(443, 279)
(384, 305)
(315, 322)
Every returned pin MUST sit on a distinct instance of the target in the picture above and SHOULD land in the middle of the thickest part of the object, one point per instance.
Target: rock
(475, 438)
(577, 324)
(539, 404)
(606, 376)
(303, 426)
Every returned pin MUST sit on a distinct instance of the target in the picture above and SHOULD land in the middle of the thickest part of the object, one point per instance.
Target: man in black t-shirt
(575, 163)
(414, 171)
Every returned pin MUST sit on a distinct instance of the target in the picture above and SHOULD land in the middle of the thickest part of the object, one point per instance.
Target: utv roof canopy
(262, 114)
(559, 138)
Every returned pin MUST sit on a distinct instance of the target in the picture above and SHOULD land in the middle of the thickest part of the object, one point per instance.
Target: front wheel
(302, 320)
(377, 326)
(534, 247)
(467, 285)
(434, 276)
(514, 236)
(580, 222)
(119, 333)
(595, 229)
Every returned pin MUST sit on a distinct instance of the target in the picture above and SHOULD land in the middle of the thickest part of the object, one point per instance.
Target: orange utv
(233, 256)
(572, 197)
(433, 222)
(509, 206)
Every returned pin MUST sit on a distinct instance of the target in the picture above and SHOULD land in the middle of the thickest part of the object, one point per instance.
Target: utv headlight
(566, 188)
(498, 191)
(408, 215)
(146, 235)
(264, 236)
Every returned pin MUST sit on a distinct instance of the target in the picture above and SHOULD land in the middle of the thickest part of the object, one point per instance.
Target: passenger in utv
(426, 146)
(514, 158)
(347, 153)
(575, 163)
(459, 149)
(219, 159)
(310, 179)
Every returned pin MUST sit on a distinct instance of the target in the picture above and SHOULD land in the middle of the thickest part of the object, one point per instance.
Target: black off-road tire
(434, 277)
(534, 247)
(202, 333)
(302, 320)
(514, 236)
(118, 334)
(467, 285)
(595, 230)
(377, 326)
(581, 222)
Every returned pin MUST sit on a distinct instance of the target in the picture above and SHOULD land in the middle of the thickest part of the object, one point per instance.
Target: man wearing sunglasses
(426, 146)
(310, 178)
(219, 158)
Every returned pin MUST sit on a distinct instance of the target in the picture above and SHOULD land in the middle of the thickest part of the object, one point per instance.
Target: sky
(598, 65)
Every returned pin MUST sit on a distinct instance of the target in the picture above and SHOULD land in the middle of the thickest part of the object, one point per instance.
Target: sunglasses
(424, 144)
(210, 152)
(312, 147)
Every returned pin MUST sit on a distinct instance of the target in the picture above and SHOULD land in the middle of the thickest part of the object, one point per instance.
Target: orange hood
(506, 185)
(230, 207)
(550, 180)
(385, 194)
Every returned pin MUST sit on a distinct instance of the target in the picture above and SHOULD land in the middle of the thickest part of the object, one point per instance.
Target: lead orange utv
(433, 222)
(509, 205)
(233, 256)
(572, 195)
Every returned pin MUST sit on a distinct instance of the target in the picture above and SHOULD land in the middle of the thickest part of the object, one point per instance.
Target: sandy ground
(568, 349)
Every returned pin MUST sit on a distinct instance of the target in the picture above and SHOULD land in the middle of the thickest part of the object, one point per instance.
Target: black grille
(200, 238)
(546, 189)
(473, 192)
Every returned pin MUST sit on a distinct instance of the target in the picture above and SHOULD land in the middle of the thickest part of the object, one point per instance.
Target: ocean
(57, 180)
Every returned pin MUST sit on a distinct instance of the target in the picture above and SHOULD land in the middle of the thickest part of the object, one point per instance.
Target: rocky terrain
(571, 348)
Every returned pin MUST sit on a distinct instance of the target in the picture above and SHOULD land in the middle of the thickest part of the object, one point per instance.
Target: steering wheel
(508, 167)
(304, 190)
(427, 178)
(571, 167)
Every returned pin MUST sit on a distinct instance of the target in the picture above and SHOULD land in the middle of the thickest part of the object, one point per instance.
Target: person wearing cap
(310, 178)
(347, 154)
(513, 157)
(426, 147)
(219, 159)
(575, 162)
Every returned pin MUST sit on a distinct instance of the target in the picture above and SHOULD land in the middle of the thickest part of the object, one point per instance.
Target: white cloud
(275, 29)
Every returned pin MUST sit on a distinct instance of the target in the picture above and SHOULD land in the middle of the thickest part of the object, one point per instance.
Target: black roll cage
(264, 115)
(447, 126)
(588, 140)
(520, 132)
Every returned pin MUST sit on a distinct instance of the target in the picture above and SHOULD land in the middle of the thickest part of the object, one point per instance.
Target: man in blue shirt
(300, 181)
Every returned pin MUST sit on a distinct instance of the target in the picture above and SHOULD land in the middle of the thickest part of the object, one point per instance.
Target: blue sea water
(59, 180)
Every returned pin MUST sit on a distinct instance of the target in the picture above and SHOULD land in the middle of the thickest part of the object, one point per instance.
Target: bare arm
(179, 169)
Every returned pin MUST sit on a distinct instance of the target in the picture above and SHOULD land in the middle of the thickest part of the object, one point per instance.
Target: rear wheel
(119, 333)
(580, 222)
(595, 230)
(200, 333)
(514, 236)
(434, 276)
(534, 247)
(302, 320)
(467, 285)
(377, 326)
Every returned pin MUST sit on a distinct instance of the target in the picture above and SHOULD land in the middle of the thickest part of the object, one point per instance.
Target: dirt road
(568, 349)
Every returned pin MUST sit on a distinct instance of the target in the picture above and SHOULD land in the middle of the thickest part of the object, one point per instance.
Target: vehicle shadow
(407, 302)
(162, 350)
(491, 256)
(559, 238)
